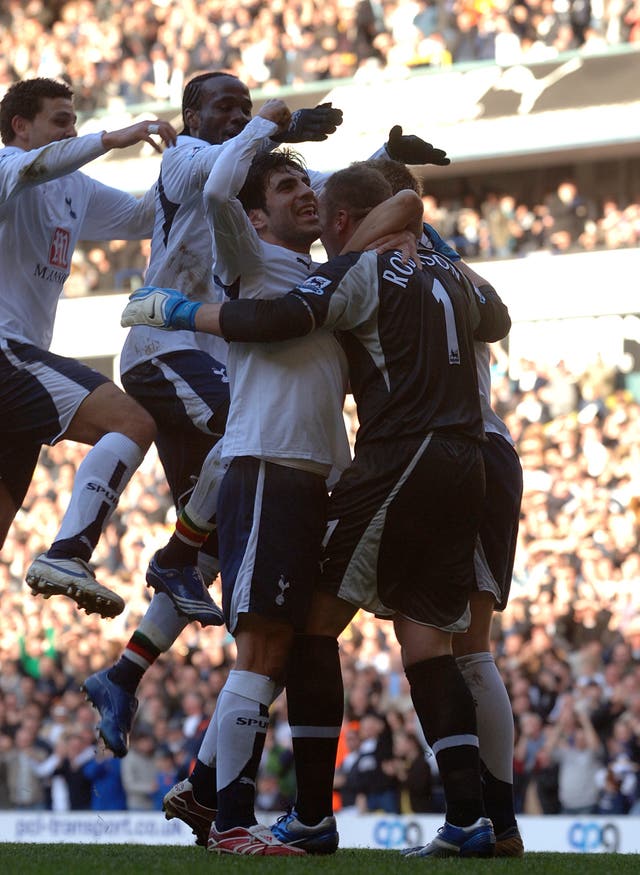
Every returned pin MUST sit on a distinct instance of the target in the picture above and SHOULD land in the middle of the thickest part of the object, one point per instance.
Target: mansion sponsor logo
(50, 274)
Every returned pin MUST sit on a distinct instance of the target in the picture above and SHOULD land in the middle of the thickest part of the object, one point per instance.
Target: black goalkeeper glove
(413, 150)
(311, 125)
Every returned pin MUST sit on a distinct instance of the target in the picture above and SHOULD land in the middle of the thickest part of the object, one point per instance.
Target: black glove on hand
(413, 150)
(311, 125)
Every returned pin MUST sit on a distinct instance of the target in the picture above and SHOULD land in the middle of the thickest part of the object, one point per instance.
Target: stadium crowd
(568, 644)
(497, 226)
(124, 53)
(148, 50)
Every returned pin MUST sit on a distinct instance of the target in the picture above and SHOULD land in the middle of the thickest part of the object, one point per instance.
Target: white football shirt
(46, 206)
(286, 398)
(181, 248)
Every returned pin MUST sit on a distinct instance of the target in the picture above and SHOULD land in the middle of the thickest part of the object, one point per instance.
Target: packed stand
(496, 226)
(148, 50)
(565, 220)
(568, 644)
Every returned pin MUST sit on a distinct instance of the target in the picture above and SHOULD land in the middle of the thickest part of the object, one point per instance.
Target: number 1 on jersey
(442, 297)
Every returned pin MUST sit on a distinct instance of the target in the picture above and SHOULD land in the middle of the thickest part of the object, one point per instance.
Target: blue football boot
(322, 838)
(477, 840)
(116, 707)
(187, 590)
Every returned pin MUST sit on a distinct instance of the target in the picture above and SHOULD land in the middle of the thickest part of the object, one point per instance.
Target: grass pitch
(66, 859)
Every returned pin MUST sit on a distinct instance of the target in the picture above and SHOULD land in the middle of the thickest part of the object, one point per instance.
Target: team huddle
(240, 352)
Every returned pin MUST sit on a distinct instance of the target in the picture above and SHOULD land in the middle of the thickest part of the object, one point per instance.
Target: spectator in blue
(107, 792)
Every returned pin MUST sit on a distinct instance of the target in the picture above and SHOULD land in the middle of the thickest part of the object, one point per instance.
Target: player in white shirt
(285, 432)
(182, 379)
(46, 206)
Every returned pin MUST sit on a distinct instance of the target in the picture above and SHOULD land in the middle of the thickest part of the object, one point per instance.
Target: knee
(470, 642)
(136, 423)
(263, 647)
(477, 638)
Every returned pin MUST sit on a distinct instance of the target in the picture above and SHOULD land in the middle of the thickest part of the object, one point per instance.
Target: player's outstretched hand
(411, 149)
(160, 308)
(311, 125)
(141, 132)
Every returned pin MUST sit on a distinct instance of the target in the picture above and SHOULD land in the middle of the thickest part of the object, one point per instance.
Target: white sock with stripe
(97, 487)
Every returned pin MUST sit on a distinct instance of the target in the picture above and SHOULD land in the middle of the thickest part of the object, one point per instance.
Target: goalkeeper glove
(413, 150)
(161, 308)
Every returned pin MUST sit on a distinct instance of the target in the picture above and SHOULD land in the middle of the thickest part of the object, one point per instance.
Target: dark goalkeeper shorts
(402, 530)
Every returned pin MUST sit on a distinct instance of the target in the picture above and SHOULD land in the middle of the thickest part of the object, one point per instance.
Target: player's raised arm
(229, 172)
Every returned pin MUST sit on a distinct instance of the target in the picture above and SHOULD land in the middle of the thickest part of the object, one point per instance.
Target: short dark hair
(356, 189)
(25, 98)
(396, 173)
(253, 193)
(192, 94)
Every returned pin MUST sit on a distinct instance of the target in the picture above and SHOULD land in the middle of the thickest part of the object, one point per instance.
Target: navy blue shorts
(187, 393)
(402, 530)
(40, 393)
(500, 519)
(271, 520)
